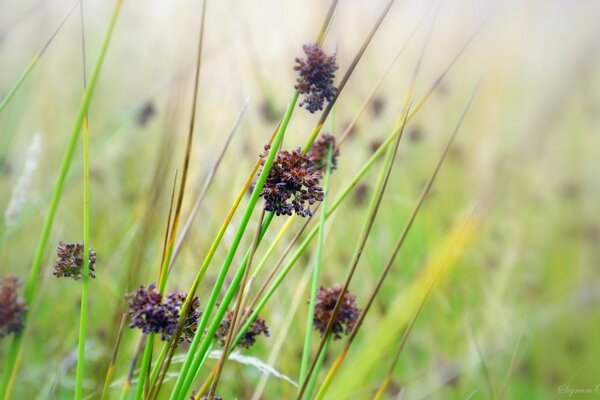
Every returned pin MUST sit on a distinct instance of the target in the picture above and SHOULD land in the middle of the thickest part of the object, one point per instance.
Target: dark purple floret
(347, 316)
(12, 306)
(151, 314)
(292, 184)
(320, 149)
(316, 74)
(70, 261)
(256, 328)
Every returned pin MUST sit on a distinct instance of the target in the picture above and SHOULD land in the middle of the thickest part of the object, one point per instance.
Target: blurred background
(516, 316)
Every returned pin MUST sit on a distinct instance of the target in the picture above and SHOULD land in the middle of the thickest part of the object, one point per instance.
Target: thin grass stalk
(335, 367)
(289, 248)
(156, 370)
(86, 232)
(313, 379)
(411, 323)
(236, 313)
(193, 361)
(272, 247)
(367, 101)
(113, 361)
(282, 332)
(129, 378)
(25, 74)
(149, 344)
(13, 356)
(164, 270)
(186, 229)
(316, 270)
(373, 211)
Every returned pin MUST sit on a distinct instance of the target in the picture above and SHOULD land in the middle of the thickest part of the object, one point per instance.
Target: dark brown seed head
(315, 80)
(12, 306)
(347, 316)
(150, 313)
(292, 184)
(70, 261)
(319, 152)
(256, 328)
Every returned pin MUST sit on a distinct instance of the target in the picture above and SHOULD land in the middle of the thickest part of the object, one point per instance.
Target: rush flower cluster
(347, 316)
(70, 261)
(293, 183)
(151, 313)
(259, 326)
(315, 80)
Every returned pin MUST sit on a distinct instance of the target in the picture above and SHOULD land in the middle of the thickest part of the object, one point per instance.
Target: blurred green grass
(530, 276)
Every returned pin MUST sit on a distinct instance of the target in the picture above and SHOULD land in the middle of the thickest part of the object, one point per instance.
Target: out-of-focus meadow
(515, 313)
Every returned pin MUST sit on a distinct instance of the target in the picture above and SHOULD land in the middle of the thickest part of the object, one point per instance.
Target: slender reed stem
(86, 231)
(34, 62)
(111, 367)
(316, 271)
(236, 313)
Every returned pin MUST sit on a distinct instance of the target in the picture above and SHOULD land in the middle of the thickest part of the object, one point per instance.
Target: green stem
(316, 270)
(315, 374)
(19, 82)
(86, 266)
(144, 367)
(32, 283)
(185, 378)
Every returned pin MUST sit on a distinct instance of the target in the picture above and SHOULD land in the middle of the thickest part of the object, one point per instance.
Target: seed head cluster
(315, 80)
(12, 306)
(151, 313)
(347, 316)
(70, 261)
(256, 328)
(292, 184)
(320, 149)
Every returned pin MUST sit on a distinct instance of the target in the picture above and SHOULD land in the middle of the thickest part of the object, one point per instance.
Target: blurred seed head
(315, 80)
(346, 318)
(292, 184)
(146, 114)
(70, 261)
(12, 306)
(259, 326)
(320, 149)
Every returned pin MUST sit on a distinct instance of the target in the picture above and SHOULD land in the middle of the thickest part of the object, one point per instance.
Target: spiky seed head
(292, 185)
(69, 263)
(315, 77)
